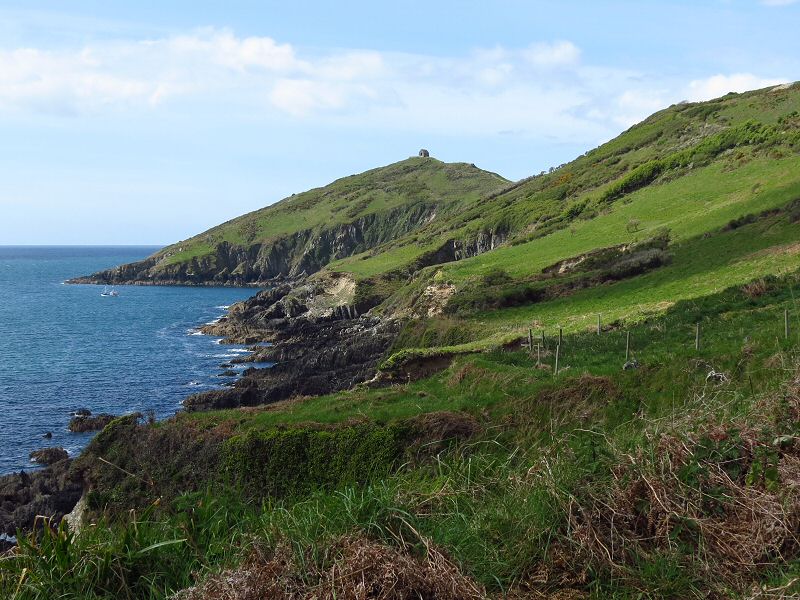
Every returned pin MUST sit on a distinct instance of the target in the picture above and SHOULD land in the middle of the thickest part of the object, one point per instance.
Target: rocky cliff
(315, 335)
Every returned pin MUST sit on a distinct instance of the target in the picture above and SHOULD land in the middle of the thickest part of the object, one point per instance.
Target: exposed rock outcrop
(261, 264)
(319, 345)
(48, 456)
(51, 493)
(88, 422)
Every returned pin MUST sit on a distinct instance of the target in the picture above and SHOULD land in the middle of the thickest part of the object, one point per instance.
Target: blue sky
(147, 122)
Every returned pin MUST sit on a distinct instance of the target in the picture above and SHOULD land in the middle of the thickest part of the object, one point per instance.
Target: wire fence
(550, 348)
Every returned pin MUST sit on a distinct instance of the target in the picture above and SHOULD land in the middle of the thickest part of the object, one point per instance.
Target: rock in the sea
(48, 456)
(48, 435)
(82, 412)
(228, 373)
(79, 423)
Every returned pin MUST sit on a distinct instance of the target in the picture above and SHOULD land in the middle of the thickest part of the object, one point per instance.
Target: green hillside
(718, 180)
(424, 181)
(304, 232)
(725, 134)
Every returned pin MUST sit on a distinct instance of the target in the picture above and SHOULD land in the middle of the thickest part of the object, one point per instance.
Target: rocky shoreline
(317, 347)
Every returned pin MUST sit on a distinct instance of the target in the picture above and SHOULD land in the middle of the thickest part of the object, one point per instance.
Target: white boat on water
(109, 292)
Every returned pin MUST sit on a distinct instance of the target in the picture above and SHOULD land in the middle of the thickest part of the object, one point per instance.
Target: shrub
(497, 276)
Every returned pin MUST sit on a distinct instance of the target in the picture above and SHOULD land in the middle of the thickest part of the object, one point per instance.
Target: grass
(700, 267)
(662, 481)
(697, 203)
(547, 206)
(662, 342)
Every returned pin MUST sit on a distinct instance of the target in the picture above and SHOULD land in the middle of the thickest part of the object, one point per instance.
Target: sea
(66, 347)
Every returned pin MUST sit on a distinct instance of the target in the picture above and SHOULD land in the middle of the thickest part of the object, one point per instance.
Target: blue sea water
(64, 347)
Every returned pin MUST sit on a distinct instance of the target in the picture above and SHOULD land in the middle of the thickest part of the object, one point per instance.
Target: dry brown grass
(702, 505)
(356, 569)
(755, 289)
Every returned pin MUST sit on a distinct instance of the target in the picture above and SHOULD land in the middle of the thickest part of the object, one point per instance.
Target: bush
(496, 276)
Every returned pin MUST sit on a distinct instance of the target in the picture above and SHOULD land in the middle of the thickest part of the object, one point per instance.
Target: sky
(147, 122)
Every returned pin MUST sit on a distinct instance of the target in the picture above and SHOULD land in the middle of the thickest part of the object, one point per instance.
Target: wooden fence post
(530, 341)
(558, 349)
(560, 335)
(543, 344)
(627, 346)
(598, 324)
(697, 336)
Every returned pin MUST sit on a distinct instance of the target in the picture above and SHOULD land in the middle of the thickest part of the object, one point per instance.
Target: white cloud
(299, 97)
(542, 90)
(555, 54)
(66, 82)
(225, 49)
(634, 104)
(719, 85)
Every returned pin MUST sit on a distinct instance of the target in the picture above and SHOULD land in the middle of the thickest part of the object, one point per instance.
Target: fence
(693, 339)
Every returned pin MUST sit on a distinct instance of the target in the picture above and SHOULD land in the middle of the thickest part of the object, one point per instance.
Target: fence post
(598, 324)
(627, 346)
(560, 335)
(697, 336)
(530, 341)
(538, 354)
(558, 349)
(543, 344)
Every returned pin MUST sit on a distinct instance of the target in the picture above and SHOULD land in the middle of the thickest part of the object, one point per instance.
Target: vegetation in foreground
(677, 479)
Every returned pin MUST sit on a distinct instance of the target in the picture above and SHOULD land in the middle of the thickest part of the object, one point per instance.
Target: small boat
(109, 292)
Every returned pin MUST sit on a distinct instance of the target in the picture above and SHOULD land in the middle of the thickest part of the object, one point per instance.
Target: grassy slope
(693, 203)
(452, 186)
(664, 343)
(540, 204)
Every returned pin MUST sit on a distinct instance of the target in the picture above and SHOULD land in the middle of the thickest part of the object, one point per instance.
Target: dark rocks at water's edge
(85, 421)
(317, 351)
(51, 493)
(48, 456)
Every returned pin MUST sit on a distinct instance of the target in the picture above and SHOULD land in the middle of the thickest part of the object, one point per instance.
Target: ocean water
(64, 347)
